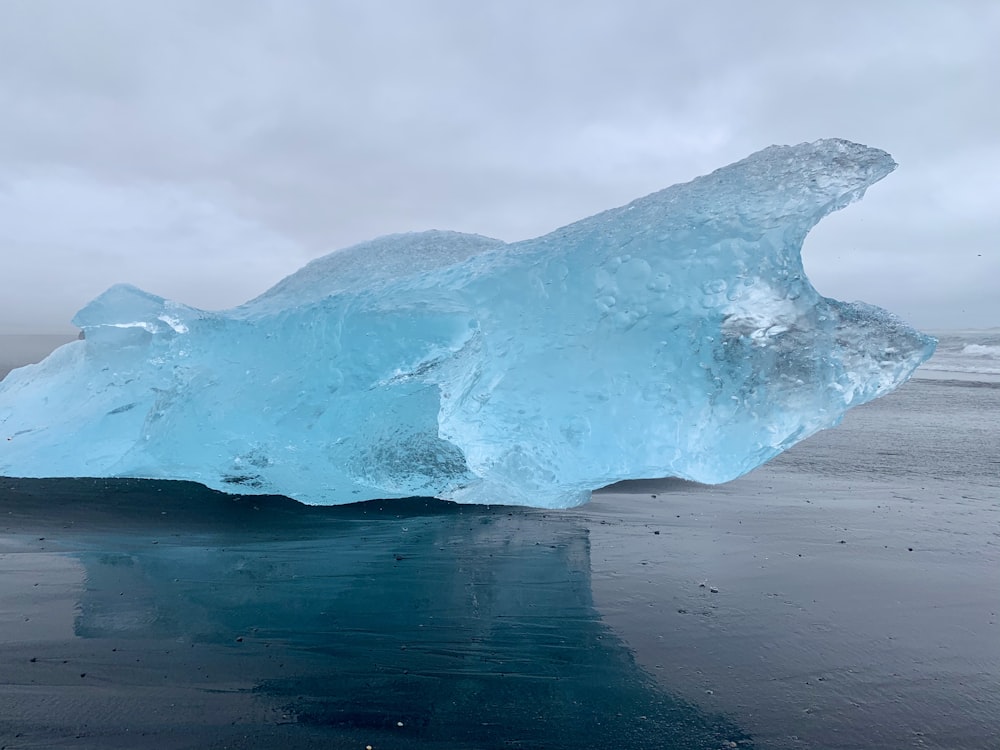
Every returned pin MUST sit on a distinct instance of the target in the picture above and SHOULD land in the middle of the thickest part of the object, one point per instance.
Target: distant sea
(17, 350)
(974, 354)
(845, 595)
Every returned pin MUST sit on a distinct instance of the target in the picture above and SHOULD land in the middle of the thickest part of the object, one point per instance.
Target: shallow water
(846, 595)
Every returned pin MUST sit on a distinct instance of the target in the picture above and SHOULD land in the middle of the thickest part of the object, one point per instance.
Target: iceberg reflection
(413, 623)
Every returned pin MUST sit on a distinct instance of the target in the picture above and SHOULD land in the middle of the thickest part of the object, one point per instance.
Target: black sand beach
(846, 595)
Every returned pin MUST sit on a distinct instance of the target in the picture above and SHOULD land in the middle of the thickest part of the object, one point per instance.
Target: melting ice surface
(675, 336)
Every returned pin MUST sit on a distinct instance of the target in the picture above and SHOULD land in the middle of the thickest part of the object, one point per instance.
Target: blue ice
(675, 336)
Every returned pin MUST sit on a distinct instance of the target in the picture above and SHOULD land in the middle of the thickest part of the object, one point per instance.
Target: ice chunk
(675, 336)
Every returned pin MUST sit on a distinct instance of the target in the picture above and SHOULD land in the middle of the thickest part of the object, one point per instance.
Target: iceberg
(675, 336)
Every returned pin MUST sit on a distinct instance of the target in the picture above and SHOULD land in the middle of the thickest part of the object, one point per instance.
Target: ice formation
(675, 336)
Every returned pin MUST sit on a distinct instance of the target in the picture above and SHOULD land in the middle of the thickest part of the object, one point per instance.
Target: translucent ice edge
(675, 336)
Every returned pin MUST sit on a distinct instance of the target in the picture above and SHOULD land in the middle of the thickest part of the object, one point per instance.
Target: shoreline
(844, 595)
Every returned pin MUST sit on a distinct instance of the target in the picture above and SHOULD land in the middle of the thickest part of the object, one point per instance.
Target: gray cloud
(203, 150)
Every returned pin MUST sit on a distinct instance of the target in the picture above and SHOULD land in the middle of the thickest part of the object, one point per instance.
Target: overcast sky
(203, 150)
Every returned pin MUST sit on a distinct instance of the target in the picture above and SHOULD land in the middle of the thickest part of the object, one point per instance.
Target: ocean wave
(981, 350)
(971, 352)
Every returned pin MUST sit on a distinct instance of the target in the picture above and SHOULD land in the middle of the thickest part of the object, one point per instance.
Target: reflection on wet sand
(204, 620)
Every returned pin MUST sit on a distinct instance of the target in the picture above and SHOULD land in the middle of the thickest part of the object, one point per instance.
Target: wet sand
(135, 613)
(846, 595)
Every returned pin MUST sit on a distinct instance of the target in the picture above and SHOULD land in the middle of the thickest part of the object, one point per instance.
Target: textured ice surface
(675, 336)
